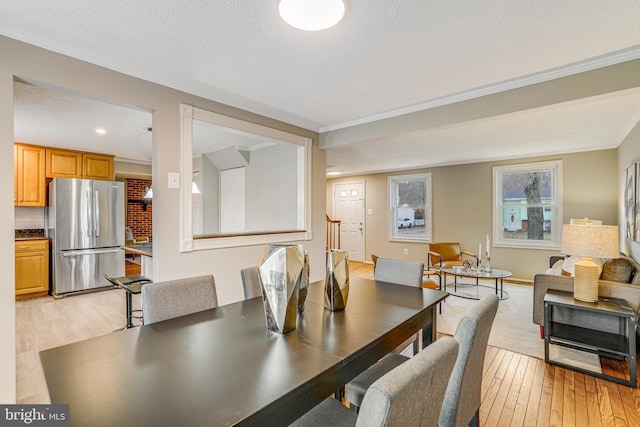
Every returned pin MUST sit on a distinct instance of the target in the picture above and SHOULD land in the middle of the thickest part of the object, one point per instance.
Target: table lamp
(588, 239)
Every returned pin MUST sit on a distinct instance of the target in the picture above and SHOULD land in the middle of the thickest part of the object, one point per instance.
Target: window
(410, 207)
(528, 205)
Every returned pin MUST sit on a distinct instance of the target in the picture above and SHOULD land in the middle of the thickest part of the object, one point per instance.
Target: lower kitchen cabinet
(32, 268)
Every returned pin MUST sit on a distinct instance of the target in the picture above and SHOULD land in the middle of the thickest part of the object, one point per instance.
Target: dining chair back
(174, 298)
(462, 400)
(463, 397)
(251, 282)
(409, 395)
(400, 272)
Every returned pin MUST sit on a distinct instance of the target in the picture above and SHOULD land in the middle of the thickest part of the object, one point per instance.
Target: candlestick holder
(487, 264)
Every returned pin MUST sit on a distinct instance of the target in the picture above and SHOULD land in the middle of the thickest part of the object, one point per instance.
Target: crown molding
(531, 79)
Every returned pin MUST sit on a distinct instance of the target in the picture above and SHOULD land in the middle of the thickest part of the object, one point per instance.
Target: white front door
(348, 207)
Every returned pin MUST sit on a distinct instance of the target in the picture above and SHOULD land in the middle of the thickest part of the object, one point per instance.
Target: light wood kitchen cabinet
(76, 164)
(32, 268)
(64, 163)
(97, 166)
(29, 175)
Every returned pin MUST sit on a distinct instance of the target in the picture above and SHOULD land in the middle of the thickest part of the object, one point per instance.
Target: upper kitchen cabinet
(97, 166)
(64, 163)
(75, 164)
(29, 173)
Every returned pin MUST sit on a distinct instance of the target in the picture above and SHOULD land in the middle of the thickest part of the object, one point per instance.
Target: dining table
(223, 367)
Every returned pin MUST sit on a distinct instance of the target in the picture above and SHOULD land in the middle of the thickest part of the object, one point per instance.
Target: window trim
(392, 226)
(555, 166)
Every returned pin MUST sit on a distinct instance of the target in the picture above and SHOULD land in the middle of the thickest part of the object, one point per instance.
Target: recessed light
(311, 15)
(101, 131)
(333, 173)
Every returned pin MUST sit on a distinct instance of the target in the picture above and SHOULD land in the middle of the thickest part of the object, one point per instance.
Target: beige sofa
(620, 279)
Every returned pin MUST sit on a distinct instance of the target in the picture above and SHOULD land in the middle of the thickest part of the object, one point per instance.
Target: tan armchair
(447, 255)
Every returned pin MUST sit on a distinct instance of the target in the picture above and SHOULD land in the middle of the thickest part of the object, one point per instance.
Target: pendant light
(311, 15)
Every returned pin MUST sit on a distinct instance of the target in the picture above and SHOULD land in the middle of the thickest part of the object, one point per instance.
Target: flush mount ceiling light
(311, 15)
(101, 131)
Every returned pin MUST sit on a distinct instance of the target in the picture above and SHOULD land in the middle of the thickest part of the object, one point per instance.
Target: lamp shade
(593, 241)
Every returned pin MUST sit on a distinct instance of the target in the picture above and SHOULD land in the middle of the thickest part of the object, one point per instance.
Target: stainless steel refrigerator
(86, 225)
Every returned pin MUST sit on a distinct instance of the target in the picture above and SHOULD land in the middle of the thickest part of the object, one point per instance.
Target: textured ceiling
(384, 58)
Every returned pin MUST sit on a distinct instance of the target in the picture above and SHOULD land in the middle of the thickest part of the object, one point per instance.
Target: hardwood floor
(43, 323)
(132, 268)
(517, 390)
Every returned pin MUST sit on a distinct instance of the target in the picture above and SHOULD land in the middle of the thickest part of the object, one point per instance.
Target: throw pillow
(617, 270)
(556, 270)
(569, 265)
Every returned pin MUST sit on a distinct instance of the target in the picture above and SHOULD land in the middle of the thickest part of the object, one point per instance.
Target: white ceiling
(384, 58)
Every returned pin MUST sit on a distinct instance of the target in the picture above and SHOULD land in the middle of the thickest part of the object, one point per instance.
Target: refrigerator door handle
(90, 252)
(96, 216)
(87, 217)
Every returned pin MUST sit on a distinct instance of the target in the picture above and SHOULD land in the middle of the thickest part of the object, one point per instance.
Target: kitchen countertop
(145, 248)
(30, 234)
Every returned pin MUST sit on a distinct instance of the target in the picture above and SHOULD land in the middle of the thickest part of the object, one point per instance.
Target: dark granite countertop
(30, 234)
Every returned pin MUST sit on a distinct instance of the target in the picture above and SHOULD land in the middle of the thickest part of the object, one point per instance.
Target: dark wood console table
(621, 344)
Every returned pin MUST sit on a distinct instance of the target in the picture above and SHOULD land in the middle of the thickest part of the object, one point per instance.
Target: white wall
(462, 207)
(210, 190)
(34, 64)
(271, 189)
(30, 217)
(628, 153)
(7, 248)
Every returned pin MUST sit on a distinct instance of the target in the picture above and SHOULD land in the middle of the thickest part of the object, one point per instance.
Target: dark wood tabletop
(222, 366)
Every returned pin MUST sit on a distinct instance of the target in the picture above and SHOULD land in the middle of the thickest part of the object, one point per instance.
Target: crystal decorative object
(336, 288)
(281, 271)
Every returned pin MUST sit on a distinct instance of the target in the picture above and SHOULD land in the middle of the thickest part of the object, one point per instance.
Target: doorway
(348, 208)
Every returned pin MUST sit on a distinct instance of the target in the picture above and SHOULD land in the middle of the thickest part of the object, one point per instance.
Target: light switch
(174, 180)
(370, 212)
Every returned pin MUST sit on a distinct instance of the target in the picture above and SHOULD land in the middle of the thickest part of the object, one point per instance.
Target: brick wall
(138, 219)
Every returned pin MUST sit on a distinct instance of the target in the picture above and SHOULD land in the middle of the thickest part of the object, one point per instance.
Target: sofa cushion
(636, 278)
(617, 270)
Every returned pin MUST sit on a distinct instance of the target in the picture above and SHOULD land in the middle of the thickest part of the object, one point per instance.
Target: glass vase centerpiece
(282, 275)
(336, 287)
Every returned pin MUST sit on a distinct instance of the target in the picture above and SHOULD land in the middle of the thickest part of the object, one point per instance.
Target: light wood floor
(517, 390)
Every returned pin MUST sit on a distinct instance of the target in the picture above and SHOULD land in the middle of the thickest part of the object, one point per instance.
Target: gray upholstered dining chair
(251, 282)
(400, 272)
(463, 397)
(174, 298)
(462, 400)
(410, 395)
